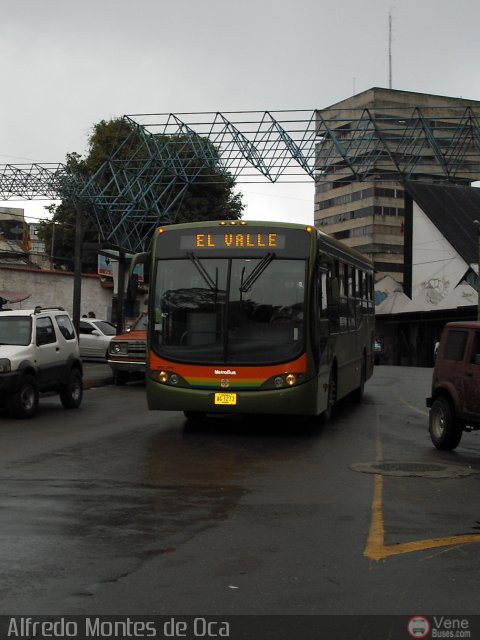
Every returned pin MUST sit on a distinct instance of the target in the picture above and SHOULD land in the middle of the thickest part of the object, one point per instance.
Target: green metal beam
(143, 182)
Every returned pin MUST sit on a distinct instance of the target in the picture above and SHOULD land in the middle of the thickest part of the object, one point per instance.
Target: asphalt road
(112, 509)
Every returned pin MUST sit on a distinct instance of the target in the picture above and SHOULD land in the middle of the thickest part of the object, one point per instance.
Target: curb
(92, 383)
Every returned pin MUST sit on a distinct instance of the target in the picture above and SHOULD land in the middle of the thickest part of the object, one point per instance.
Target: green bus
(256, 318)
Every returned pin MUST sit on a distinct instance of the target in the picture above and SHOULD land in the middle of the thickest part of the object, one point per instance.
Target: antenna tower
(390, 49)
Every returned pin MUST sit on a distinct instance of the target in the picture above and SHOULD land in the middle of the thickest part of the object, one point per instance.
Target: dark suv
(455, 399)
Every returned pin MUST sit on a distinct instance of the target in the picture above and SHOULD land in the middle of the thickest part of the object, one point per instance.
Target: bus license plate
(226, 398)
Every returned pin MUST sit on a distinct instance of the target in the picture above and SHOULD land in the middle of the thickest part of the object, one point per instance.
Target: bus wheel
(357, 394)
(332, 398)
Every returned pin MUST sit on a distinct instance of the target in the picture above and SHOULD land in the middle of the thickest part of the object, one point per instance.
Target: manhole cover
(422, 469)
(410, 466)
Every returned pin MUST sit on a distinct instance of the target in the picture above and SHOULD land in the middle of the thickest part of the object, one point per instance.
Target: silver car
(94, 338)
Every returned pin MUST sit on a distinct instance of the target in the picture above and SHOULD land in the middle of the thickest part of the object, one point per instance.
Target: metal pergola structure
(144, 180)
(147, 174)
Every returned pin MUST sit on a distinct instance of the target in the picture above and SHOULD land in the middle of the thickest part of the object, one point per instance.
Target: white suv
(38, 352)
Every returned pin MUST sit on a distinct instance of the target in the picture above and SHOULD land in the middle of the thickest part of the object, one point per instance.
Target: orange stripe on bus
(207, 372)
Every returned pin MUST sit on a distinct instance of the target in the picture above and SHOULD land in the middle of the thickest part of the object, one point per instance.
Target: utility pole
(52, 251)
(477, 224)
(122, 263)
(77, 271)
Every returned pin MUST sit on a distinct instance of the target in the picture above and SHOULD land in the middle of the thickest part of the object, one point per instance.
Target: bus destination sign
(232, 240)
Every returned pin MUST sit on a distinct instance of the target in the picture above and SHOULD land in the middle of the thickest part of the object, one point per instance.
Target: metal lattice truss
(251, 146)
(31, 181)
(143, 182)
(398, 144)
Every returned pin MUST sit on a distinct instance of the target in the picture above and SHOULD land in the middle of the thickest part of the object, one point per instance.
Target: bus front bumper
(299, 400)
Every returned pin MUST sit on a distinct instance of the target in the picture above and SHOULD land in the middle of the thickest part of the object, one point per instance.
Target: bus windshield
(229, 310)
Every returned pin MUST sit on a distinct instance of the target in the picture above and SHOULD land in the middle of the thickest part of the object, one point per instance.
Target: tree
(129, 167)
(58, 233)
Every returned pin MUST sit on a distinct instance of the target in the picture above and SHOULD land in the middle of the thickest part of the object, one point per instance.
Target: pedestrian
(91, 314)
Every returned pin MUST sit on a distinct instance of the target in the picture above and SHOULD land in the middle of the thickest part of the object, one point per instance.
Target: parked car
(94, 338)
(127, 353)
(38, 353)
(455, 399)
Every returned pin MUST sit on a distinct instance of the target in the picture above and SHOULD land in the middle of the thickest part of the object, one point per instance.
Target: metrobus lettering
(222, 372)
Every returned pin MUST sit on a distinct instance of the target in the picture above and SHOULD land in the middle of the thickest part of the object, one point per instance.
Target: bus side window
(322, 302)
(351, 282)
(333, 303)
(369, 295)
(340, 272)
(323, 294)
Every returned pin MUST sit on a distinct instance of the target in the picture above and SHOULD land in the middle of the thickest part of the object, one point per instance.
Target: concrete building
(14, 242)
(441, 272)
(26, 274)
(369, 144)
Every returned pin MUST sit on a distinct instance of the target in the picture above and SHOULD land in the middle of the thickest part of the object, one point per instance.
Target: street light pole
(477, 224)
(77, 271)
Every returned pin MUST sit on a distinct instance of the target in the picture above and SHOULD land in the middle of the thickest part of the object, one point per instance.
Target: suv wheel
(445, 431)
(24, 402)
(71, 394)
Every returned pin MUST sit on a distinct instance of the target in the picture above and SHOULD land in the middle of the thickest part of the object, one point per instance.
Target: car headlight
(118, 348)
(5, 365)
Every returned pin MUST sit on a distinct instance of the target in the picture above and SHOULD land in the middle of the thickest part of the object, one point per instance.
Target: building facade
(441, 272)
(369, 144)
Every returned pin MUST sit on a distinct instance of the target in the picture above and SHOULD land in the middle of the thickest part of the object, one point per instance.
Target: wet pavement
(96, 374)
(114, 509)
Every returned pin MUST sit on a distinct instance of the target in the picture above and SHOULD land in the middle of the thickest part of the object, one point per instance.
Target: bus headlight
(168, 377)
(286, 380)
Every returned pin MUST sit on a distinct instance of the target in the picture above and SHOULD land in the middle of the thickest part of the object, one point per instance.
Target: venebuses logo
(224, 372)
(418, 627)
(439, 627)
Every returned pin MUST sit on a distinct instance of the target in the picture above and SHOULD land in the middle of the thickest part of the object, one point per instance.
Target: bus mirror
(138, 258)
(335, 291)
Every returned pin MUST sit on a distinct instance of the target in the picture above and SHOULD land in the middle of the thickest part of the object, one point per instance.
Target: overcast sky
(65, 65)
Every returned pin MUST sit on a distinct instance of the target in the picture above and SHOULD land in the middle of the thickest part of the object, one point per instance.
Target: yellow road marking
(376, 549)
(422, 412)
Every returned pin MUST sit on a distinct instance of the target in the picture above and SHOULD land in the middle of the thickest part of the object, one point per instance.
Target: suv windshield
(16, 330)
(235, 310)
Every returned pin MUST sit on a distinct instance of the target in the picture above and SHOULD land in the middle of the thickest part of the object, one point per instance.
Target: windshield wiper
(203, 272)
(256, 273)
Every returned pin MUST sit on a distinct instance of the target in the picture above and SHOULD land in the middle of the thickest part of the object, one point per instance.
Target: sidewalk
(96, 374)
